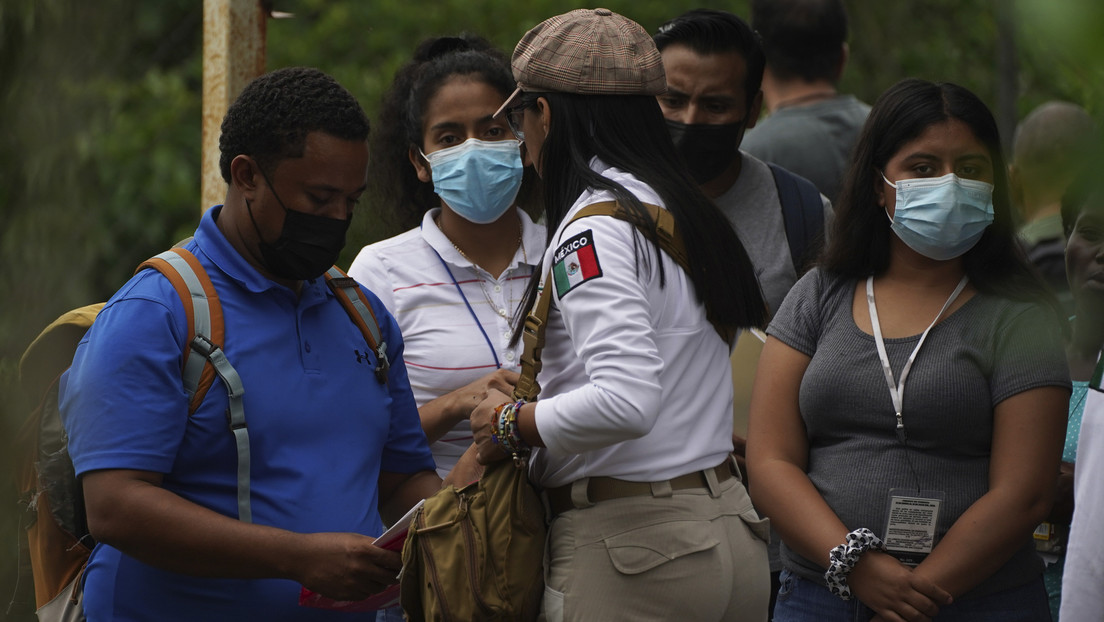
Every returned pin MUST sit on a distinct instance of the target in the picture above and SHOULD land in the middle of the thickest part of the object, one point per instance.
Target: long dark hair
(393, 184)
(628, 132)
(861, 235)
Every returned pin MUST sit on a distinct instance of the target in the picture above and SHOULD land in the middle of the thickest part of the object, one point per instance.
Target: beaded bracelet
(499, 434)
(845, 556)
(506, 433)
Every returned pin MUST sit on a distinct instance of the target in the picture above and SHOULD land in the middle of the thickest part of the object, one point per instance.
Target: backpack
(57, 543)
(803, 215)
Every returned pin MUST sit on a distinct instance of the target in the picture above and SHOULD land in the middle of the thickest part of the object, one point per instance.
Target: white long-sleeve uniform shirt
(636, 383)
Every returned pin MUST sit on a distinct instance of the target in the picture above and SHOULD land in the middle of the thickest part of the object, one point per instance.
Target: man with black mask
(714, 64)
(201, 515)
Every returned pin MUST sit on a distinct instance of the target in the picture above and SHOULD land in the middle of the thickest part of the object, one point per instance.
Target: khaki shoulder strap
(669, 240)
(665, 230)
(533, 333)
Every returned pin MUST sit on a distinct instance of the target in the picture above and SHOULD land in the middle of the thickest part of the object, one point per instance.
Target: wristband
(844, 557)
(506, 434)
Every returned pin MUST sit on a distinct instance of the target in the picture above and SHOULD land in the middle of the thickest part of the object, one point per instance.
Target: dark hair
(706, 31)
(861, 235)
(271, 118)
(802, 38)
(629, 132)
(394, 184)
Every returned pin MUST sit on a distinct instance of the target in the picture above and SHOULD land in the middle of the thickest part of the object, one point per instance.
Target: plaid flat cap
(588, 51)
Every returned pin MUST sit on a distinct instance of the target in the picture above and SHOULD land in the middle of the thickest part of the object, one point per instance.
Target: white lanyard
(897, 391)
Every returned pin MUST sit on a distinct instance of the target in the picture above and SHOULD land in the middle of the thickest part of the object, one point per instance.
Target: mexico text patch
(575, 262)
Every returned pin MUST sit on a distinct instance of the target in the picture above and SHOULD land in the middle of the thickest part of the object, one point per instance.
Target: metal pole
(233, 54)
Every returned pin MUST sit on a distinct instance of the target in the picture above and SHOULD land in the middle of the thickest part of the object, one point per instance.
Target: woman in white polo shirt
(454, 281)
(632, 433)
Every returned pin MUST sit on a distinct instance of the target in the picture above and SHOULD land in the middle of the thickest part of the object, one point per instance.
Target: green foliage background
(100, 130)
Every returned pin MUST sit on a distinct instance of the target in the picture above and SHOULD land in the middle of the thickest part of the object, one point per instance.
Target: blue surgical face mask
(943, 217)
(477, 179)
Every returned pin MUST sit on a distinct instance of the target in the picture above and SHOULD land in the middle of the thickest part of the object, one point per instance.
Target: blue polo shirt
(321, 427)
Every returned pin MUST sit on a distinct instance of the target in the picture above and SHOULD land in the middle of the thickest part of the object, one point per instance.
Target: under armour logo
(361, 358)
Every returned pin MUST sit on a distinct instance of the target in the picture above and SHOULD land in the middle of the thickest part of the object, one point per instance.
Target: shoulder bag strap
(669, 240)
(533, 333)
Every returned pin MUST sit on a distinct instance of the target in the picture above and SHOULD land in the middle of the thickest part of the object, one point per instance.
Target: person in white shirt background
(631, 436)
(1083, 574)
(453, 281)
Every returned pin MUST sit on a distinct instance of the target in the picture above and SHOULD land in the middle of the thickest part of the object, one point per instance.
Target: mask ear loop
(891, 185)
(249, 206)
(249, 210)
(273, 189)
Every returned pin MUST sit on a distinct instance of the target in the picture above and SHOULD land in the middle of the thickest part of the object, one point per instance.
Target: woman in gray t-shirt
(909, 410)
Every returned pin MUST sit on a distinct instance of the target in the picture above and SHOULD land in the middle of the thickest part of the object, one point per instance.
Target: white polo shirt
(445, 345)
(636, 383)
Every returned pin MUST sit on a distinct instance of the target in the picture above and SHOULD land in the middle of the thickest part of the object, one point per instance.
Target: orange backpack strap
(201, 305)
(356, 304)
(206, 336)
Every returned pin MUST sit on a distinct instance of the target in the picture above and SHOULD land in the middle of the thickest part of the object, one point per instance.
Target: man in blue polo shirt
(331, 448)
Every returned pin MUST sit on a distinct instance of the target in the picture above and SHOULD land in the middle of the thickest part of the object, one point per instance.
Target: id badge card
(911, 520)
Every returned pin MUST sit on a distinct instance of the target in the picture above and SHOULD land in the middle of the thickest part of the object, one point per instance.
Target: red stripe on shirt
(434, 284)
(409, 364)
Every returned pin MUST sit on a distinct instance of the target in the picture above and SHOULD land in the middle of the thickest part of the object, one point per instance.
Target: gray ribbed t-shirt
(988, 350)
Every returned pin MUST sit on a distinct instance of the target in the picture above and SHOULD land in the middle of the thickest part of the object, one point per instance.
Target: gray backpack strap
(205, 333)
(235, 415)
(200, 318)
(348, 292)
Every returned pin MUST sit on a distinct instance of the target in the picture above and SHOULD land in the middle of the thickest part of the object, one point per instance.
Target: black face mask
(308, 245)
(707, 149)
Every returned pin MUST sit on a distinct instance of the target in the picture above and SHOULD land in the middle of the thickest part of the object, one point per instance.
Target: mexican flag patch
(575, 262)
